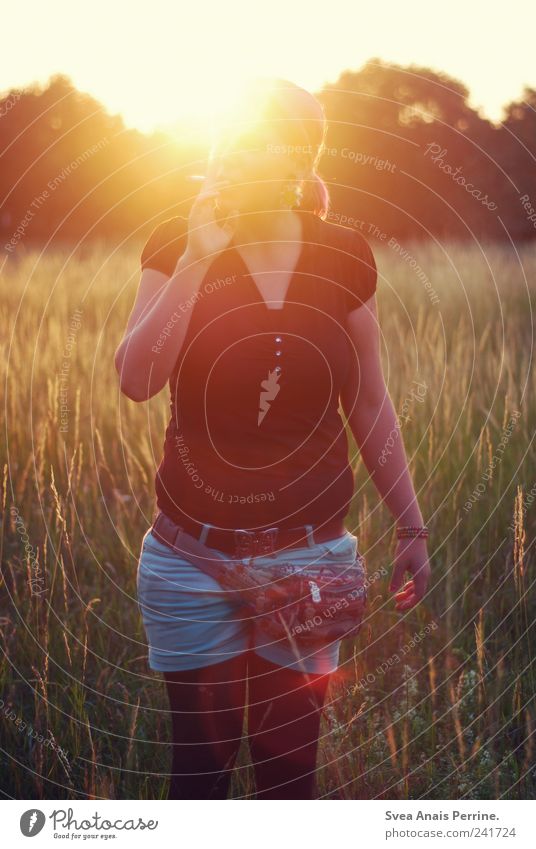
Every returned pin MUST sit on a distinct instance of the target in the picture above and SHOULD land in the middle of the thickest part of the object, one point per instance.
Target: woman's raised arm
(161, 314)
(157, 327)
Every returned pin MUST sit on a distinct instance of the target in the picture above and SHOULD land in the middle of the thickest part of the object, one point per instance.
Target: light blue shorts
(190, 623)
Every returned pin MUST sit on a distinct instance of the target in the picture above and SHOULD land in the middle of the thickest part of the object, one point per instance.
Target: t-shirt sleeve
(362, 278)
(165, 246)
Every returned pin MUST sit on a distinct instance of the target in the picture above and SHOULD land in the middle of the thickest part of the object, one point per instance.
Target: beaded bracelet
(411, 531)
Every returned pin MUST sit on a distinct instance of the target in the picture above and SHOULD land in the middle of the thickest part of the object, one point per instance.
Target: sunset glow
(160, 64)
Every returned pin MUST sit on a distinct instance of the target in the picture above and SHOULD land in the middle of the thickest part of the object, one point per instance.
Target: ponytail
(315, 195)
(306, 122)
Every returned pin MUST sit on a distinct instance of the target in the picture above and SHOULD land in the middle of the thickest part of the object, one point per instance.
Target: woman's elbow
(137, 383)
(131, 389)
(127, 384)
(133, 392)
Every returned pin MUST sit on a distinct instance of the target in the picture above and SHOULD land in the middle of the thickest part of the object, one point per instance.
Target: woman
(262, 317)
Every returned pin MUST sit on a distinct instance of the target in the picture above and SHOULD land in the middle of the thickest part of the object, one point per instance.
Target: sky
(161, 62)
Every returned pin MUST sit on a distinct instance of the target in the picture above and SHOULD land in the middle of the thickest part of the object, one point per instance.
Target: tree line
(405, 157)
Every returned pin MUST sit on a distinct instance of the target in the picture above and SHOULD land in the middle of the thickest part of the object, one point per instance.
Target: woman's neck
(266, 226)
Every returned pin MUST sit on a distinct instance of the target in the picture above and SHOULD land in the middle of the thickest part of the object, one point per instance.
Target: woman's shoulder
(165, 245)
(359, 270)
(342, 236)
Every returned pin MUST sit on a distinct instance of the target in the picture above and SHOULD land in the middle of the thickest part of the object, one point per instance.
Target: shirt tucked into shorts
(189, 622)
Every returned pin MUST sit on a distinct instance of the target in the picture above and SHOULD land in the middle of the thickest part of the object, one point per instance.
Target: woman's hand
(207, 237)
(411, 556)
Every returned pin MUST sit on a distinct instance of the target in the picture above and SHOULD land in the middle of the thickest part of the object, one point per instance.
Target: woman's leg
(283, 725)
(207, 709)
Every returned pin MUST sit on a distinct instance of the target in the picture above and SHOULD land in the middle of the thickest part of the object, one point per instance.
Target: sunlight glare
(214, 106)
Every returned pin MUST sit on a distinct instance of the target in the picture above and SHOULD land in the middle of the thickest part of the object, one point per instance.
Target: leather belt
(239, 542)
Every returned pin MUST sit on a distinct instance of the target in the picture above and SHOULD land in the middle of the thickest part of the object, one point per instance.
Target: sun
(210, 107)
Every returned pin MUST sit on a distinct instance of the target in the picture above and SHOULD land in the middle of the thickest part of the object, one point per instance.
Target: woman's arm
(157, 327)
(372, 418)
(159, 320)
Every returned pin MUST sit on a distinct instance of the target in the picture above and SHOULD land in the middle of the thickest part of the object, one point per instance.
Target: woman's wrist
(410, 520)
(412, 532)
(411, 525)
(190, 260)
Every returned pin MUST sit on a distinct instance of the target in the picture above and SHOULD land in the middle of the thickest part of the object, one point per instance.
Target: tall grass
(449, 715)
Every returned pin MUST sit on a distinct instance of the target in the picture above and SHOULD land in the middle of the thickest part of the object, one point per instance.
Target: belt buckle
(251, 543)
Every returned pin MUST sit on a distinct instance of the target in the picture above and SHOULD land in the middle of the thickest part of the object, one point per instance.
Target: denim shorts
(190, 623)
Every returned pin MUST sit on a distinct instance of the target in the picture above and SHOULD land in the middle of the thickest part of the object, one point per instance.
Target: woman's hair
(302, 119)
(301, 124)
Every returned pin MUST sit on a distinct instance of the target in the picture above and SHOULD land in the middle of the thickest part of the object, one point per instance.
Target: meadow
(437, 704)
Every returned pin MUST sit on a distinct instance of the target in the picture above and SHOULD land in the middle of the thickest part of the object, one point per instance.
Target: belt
(239, 542)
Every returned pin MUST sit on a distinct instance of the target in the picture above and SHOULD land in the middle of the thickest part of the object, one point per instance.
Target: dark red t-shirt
(255, 437)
